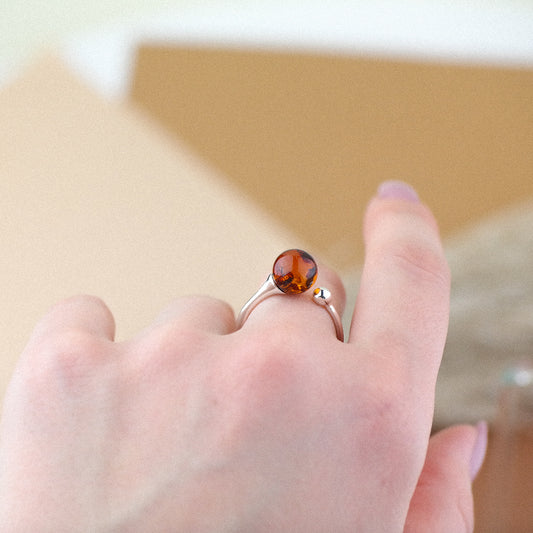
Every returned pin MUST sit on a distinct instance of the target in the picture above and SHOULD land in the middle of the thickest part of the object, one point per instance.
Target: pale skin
(192, 426)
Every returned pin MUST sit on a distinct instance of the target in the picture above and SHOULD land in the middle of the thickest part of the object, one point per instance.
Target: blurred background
(496, 32)
(151, 148)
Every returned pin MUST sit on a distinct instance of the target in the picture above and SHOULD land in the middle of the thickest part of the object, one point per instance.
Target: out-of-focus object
(505, 487)
(480, 33)
(309, 136)
(491, 319)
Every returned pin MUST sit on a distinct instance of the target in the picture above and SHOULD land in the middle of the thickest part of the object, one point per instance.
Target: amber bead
(294, 271)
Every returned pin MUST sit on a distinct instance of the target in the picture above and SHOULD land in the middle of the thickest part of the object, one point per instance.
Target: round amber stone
(294, 271)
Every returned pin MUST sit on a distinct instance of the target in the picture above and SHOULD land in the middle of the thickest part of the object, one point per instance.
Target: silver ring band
(321, 296)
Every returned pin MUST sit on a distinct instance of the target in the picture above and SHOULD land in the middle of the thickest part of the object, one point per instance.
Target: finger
(401, 314)
(442, 501)
(86, 314)
(201, 313)
(298, 314)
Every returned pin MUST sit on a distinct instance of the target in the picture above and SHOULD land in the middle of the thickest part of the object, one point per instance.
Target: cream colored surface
(96, 199)
(30, 25)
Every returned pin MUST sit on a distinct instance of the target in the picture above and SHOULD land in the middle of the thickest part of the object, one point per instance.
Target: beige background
(310, 136)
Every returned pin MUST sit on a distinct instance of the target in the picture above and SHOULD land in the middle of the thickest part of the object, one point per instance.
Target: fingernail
(479, 450)
(397, 190)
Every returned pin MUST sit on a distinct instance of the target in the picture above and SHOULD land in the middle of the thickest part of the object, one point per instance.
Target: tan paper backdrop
(308, 137)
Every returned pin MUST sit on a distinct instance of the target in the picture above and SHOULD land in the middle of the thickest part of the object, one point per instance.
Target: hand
(278, 427)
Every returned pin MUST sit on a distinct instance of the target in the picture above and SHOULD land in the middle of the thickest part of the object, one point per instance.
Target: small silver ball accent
(322, 295)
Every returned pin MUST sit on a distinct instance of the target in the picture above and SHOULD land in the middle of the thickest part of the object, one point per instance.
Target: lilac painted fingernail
(479, 450)
(397, 190)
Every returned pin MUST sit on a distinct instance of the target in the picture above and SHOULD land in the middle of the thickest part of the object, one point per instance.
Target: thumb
(442, 501)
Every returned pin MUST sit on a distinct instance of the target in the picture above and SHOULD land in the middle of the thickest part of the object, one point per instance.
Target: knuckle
(264, 372)
(410, 239)
(254, 389)
(386, 406)
(87, 301)
(383, 407)
(69, 357)
(422, 263)
(268, 371)
(166, 352)
(171, 344)
(90, 299)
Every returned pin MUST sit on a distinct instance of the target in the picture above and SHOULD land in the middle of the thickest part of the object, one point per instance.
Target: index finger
(401, 316)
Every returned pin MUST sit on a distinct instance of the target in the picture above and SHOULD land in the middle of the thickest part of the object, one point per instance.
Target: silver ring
(294, 272)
